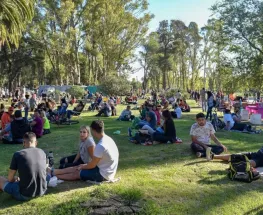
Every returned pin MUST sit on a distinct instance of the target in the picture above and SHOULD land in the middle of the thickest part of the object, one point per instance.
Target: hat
(11, 109)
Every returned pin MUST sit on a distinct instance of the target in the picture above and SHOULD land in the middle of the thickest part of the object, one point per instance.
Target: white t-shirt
(178, 112)
(107, 150)
(202, 133)
(178, 95)
(229, 118)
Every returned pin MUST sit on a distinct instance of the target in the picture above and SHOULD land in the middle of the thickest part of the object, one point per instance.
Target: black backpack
(240, 169)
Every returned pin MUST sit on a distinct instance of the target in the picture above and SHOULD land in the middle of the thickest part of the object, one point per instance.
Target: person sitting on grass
(184, 106)
(103, 165)
(201, 133)
(105, 110)
(143, 110)
(37, 124)
(126, 115)
(255, 158)
(86, 149)
(177, 113)
(156, 110)
(46, 124)
(30, 163)
(5, 119)
(168, 133)
(15, 130)
(76, 110)
(232, 125)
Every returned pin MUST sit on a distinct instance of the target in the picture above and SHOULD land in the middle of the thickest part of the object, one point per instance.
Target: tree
(15, 15)
(114, 85)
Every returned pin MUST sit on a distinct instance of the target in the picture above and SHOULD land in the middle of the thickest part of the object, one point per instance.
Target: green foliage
(76, 91)
(115, 85)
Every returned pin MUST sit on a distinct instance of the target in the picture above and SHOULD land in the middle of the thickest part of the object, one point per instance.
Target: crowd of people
(99, 161)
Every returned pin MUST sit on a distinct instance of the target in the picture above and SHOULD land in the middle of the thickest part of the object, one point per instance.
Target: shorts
(91, 175)
(255, 156)
(14, 190)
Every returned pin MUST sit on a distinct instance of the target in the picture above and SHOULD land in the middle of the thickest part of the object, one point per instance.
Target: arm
(77, 158)
(91, 151)
(217, 142)
(44, 120)
(90, 165)
(11, 175)
(33, 123)
(194, 140)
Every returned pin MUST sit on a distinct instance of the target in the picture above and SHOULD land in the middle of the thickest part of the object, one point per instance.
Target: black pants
(5, 141)
(70, 163)
(174, 115)
(239, 127)
(215, 149)
(209, 113)
(159, 137)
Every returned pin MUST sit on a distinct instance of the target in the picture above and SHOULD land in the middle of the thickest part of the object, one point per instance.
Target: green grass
(168, 177)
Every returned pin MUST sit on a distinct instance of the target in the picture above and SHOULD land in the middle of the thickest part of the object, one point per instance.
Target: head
(149, 116)
(175, 105)
(128, 107)
(97, 128)
(209, 94)
(30, 140)
(167, 115)
(36, 113)
(150, 107)
(2, 106)
(159, 107)
(227, 111)
(27, 96)
(18, 114)
(154, 107)
(84, 132)
(200, 119)
(11, 110)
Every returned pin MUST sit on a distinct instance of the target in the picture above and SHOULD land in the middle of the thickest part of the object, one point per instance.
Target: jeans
(203, 104)
(69, 113)
(70, 163)
(209, 113)
(198, 148)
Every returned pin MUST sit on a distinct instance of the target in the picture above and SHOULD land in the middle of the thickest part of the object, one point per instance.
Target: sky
(184, 10)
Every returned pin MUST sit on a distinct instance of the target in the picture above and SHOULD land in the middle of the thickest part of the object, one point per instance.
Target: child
(177, 113)
(86, 149)
(46, 125)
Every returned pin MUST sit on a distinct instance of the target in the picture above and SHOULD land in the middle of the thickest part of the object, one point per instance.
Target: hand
(225, 148)
(81, 166)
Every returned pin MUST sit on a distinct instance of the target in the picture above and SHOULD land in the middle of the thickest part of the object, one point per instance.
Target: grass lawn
(169, 178)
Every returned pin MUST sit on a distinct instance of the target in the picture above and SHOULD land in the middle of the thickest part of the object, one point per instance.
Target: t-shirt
(83, 149)
(5, 119)
(178, 112)
(38, 127)
(202, 133)
(229, 118)
(125, 113)
(178, 95)
(107, 150)
(210, 101)
(202, 94)
(31, 166)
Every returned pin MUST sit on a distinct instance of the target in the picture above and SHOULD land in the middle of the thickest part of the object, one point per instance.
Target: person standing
(203, 101)
(210, 104)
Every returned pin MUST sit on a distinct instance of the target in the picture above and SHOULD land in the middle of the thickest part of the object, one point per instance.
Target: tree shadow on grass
(257, 211)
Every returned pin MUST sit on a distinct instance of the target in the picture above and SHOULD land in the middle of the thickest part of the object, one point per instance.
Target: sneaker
(198, 154)
(208, 154)
(129, 132)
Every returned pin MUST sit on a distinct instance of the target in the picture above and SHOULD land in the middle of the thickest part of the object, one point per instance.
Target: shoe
(198, 154)
(208, 154)
(129, 132)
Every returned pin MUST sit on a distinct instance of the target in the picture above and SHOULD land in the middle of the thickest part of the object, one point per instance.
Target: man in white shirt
(201, 133)
(232, 125)
(104, 164)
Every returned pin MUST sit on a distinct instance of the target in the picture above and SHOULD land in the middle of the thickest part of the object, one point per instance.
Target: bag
(240, 169)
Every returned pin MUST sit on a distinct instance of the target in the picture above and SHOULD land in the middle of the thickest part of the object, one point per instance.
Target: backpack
(240, 169)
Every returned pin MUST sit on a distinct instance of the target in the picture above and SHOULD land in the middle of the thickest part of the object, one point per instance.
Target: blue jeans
(14, 190)
(209, 113)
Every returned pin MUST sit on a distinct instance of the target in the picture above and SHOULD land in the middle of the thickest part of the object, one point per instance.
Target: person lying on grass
(103, 165)
(86, 149)
(255, 158)
(201, 133)
(30, 163)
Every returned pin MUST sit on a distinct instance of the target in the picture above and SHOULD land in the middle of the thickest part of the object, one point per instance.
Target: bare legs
(68, 174)
(227, 158)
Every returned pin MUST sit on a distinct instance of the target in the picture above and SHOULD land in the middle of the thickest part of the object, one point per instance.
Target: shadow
(257, 211)
(204, 161)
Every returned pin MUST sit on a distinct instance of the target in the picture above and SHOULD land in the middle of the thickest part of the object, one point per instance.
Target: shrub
(76, 91)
